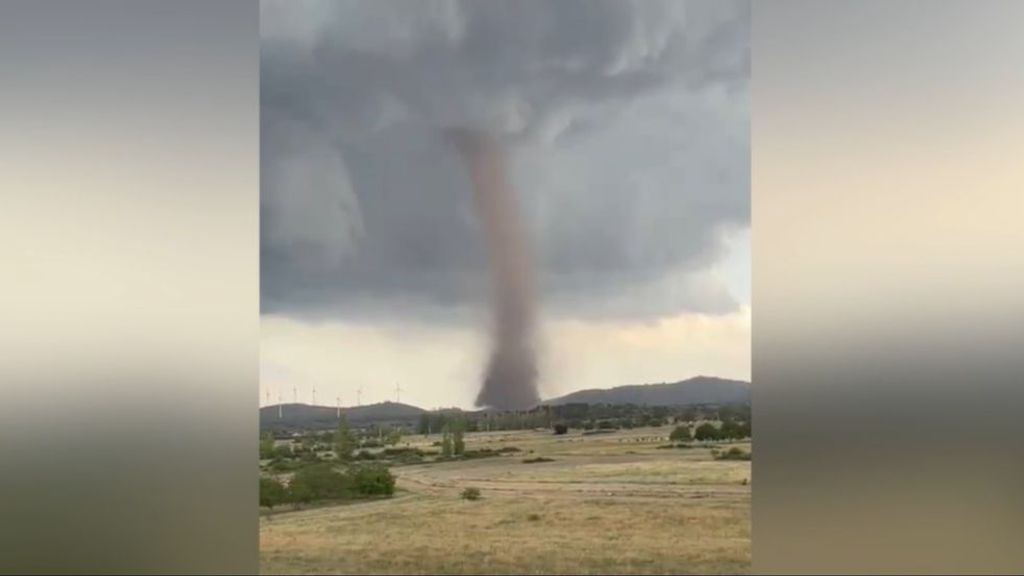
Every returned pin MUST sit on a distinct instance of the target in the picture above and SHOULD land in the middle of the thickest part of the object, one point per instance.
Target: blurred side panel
(888, 344)
(129, 260)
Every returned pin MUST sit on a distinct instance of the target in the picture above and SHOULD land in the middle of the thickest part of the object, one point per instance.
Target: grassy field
(606, 504)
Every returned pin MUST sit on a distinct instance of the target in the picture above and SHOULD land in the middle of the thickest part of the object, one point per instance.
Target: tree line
(587, 417)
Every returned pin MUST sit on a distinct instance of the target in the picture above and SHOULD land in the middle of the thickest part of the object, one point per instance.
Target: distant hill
(306, 416)
(698, 390)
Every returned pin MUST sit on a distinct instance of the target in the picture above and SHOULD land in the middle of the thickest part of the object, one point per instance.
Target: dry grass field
(607, 504)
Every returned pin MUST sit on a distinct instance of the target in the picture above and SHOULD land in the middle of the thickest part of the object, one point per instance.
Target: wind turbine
(280, 404)
(398, 393)
(359, 396)
(295, 393)
(337, 401)
(314, 394)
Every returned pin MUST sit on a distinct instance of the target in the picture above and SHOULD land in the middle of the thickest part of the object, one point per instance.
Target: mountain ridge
(696, 390)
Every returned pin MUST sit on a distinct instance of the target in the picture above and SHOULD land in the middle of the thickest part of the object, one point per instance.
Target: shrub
(533, 517)
(706, 431)
(458, 443)
(480, 453)
(272, 492)
(537, 460)
(561, 428)
(344, 440)
(266, 446)
(279, 465)
(681, 434)
(320, 482)
(299, 493)
(402, 452)
(733, 453)
(471, 493)
(447, 449)
(404, 455)
(372, 480)
(735, 431)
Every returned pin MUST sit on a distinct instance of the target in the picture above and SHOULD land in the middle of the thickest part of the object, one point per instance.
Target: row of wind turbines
(295, 395)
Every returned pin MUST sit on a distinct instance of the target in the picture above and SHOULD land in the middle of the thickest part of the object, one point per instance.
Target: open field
(608, 504)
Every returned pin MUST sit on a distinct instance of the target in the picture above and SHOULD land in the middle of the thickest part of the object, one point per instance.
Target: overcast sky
(627, 125)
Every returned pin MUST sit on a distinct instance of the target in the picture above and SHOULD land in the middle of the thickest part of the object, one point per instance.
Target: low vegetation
(326, 482)
(588, 417)
(470, 493)
(733, 453)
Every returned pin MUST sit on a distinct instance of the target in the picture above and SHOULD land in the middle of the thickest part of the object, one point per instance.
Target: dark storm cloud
(626, 123)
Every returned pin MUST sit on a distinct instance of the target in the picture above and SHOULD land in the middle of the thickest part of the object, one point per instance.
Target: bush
(471, 493)
(323, 482)
(299, 494)
(734, 431)
(266, 446)
(372, 480)
(680, 434)
(733, 453)
(320, 482)
(279, 465)
(561, 428)
(706, 431)
(537, 460)
(480, 453)
(402, 452)
(272, 492)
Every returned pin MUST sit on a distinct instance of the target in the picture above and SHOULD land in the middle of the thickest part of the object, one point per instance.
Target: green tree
(732, 430)
(320, 482)
(458, 444)
(393, 436)
(706, 431)
(372, 480)
(266, 446)
(272, 492)
(283, 451)
(446, 442)
(680, 434)
(344, 441)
